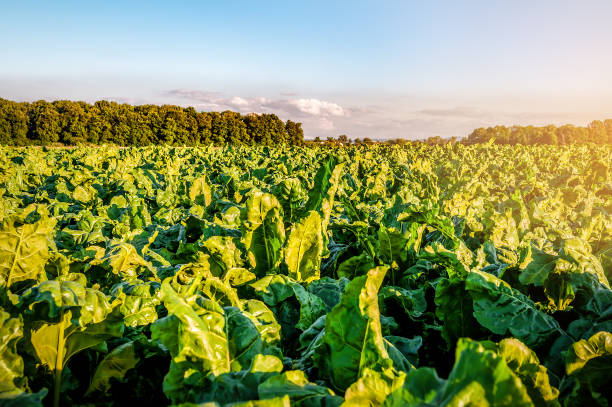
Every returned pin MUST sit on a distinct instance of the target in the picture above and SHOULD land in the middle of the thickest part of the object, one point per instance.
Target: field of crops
(254, 276)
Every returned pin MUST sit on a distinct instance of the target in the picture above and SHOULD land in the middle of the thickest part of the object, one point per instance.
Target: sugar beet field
(416, 275)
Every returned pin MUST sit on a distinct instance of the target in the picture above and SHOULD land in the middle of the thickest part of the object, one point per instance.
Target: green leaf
(396, 245)
(11, 364)
(123, 259)
(455, 309)
(502, 309)
(49, 300)
(295, 384)
(409, 348)
(355, 266)
(373, 387)
(224, 255)
(114, 366)
(452, 260)
(525, 364)
(420, 387)
(283, 401)
(204, 339)
(66, 318)
(138, 301)
(22, 399)
(541, 265)
(413, 302)
(592, 298)
(263, 232)
(304, 248)
(329, 290)
(480, 374)
(326, 183)
(264, 321)
(199, 333)
(276, 290)
(590, 361)
(200, 191)
(353, 337)
(24, 248)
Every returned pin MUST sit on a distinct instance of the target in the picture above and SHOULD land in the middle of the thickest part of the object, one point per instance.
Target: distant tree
(294, 132)
(549, 135)
(597, 132)
(44, 125)
(13, 123)
(608, 125)
(477, 136)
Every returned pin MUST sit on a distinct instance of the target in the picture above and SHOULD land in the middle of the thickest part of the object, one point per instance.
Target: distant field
(405, 275)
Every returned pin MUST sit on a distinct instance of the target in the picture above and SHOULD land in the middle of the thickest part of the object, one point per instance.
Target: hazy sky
(379, 69)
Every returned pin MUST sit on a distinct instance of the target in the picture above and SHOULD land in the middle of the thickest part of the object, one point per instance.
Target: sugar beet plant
(254, 276)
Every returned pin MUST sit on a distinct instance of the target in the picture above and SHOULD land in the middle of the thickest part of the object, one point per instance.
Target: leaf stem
(59, 362)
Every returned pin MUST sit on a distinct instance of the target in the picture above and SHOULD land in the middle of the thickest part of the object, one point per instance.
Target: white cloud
(238, 101)
(317, 107)
(286, 107)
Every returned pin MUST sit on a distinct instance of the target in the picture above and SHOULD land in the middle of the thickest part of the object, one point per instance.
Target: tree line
(71, 123)
(599, 132)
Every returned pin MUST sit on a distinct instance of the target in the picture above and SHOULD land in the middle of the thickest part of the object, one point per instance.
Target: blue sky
(379, 69)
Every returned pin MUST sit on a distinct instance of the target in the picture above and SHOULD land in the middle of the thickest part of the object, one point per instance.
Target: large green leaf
(479, 373)
(203, 339)
(65, 318)
(455, 309)
(326, 183)
(304, 248)
(353, 338)
(263, 232)
(197, 331)
(541, 265)
(525, 364)
(419, 387)
(503, 309)
(200, 191)
(480, 377)
(24, 248)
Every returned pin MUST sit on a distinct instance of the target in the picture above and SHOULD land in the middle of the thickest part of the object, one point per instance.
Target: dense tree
(72, 123)
(13, 123)
(296, 134)
(44, 123)
(595, 132)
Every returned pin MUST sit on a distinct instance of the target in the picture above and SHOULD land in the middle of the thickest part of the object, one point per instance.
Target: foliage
(413, 275)
(73, 123)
